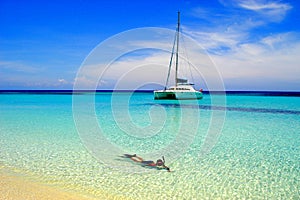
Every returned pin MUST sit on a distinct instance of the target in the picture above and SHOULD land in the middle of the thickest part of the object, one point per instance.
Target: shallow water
(78, 146)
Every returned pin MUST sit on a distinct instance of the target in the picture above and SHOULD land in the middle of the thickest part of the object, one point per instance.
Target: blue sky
(255, 44)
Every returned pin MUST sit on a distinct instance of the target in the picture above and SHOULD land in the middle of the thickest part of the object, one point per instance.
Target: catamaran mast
(176, 76)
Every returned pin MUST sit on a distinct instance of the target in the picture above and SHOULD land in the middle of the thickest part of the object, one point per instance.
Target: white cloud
(261, 66)
(280, 40)
(216, 40)
(264, 5)
(132, 72)
(62, 81)
(271, 10)
(129, 72)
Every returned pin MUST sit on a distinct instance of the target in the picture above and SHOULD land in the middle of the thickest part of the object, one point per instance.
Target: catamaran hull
(177, 95)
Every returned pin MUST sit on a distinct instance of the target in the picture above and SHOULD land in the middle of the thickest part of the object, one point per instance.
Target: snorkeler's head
(159, 162)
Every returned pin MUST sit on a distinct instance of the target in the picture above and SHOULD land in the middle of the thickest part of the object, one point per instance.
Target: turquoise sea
(221, 147)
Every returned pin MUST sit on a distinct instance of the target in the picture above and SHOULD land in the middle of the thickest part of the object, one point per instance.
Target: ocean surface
(234, 146)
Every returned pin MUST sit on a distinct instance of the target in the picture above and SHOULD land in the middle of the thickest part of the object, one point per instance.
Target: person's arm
(167, 168)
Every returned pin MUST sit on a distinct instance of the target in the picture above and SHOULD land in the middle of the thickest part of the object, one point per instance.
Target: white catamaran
(182, 89)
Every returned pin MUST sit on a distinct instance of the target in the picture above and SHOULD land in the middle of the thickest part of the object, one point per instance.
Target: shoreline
(17, 186)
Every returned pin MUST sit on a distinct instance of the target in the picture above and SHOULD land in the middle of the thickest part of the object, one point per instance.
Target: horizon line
(71, 91)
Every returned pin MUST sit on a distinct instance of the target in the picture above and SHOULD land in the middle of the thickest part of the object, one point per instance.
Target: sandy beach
(15, 186)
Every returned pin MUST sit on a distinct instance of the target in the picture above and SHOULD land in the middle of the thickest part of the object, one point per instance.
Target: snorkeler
(160, 163)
